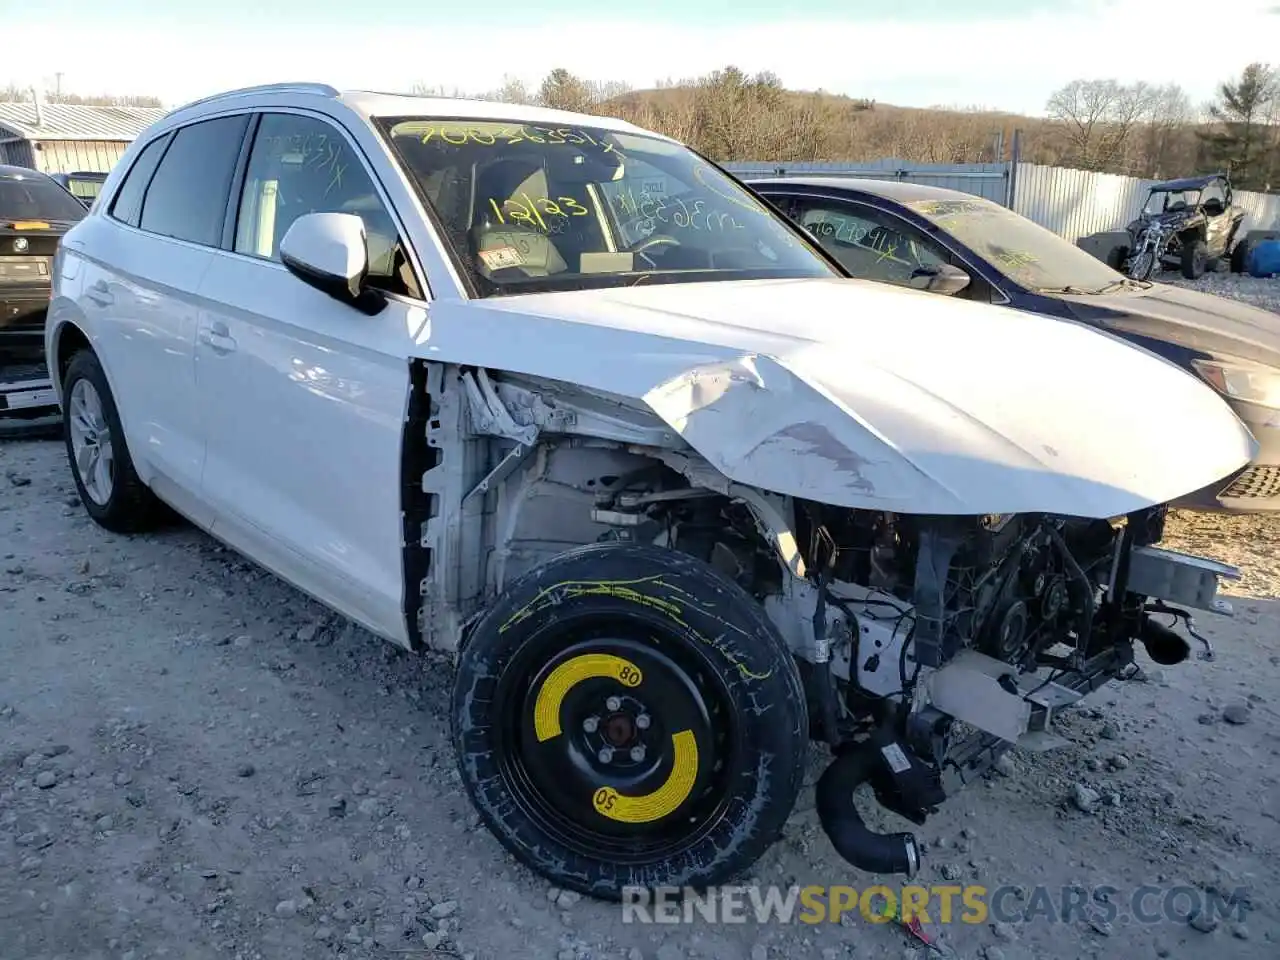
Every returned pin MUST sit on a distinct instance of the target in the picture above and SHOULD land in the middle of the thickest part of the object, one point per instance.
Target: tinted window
(301, 165)
(128, 202)
(187, 198)
(869, 243)
(36, 197)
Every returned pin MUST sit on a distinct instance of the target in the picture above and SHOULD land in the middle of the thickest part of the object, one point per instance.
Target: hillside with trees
(1136, 129)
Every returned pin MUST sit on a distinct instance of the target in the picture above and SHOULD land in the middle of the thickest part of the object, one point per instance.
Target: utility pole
(57, 85)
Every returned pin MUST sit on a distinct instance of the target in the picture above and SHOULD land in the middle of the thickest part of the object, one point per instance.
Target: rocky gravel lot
(198, 762)
(1258, 291)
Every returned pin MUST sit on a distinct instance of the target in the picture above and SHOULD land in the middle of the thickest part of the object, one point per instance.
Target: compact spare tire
(625, 716)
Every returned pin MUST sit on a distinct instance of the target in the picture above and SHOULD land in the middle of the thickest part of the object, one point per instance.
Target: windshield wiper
(1127, 282)
(1067, 289)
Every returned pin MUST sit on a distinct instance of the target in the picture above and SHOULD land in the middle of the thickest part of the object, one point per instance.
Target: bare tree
(1161, 145)
(512, 90)
(15, 94)
(1097, 124)
(1098, 117)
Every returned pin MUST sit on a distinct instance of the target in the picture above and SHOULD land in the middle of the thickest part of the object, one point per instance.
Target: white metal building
(66, 137)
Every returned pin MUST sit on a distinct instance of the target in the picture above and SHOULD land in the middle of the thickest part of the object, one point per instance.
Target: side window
(187, 198)
(127, 205)
(869, 243)
(301, 165)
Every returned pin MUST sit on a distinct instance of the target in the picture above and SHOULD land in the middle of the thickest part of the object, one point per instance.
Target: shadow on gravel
(46, 427)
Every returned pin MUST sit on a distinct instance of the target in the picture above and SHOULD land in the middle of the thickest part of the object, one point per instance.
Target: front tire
(624, 716)
(1142, 265)
(101, 466)
(1195, 259)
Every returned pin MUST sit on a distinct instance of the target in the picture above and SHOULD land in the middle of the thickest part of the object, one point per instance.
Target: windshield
(1168, 201)
(1023, 251)
(36, 198)
(534, 208)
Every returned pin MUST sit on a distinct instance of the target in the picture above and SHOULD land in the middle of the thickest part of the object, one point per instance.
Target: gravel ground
(1259, 291)
(198, 762)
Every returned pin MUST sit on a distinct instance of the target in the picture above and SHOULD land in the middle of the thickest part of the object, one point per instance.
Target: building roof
(74, 121)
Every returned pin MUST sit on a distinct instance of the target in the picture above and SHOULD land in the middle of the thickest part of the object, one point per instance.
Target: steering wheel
(653, 240)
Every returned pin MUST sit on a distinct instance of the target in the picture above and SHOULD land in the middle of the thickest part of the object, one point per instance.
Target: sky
(997, 54)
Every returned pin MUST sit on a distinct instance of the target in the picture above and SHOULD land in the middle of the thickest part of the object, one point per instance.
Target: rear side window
(187, 198)
(128, 203)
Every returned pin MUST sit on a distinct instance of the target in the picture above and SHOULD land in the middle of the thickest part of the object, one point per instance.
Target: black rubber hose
(873, 852)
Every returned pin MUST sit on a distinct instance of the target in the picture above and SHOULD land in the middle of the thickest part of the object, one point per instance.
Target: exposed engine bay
(927, 645)
(930, 637)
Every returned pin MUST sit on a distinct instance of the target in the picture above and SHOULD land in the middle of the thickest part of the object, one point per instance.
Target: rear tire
(1116, 257)
(1195, 258)
(1240, 256)
(100, 463)
(609, 671)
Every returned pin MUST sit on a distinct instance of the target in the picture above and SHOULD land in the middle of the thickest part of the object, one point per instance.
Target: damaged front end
(937, 643)
(928, 645)
(921, 570)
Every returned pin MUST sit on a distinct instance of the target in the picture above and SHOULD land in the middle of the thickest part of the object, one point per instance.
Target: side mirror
(944, 279)
(330, 252)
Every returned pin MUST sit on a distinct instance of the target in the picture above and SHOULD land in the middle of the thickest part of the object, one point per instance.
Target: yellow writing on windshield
(489, 135)
(532, 212)
(1016, 259)
(676, 212)
(707, 177)
(941, 208)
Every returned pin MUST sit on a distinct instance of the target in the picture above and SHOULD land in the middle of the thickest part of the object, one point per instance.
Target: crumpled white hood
(862, 395)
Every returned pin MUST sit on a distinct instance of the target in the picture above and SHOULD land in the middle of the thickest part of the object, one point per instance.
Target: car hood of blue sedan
(1188, 318)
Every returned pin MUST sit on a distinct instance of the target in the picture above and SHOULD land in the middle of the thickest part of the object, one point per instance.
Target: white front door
(304, 397)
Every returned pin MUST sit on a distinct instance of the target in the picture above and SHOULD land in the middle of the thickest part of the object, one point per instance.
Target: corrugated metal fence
(989, 180)
(1076, 203)
(1072, 203)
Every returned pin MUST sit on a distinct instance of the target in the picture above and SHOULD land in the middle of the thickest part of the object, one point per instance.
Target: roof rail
(316, 89)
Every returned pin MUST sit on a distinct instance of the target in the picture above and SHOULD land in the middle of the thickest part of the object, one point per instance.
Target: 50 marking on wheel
(623, 728)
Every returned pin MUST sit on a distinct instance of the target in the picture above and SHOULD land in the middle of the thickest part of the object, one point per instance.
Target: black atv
(1189, 223)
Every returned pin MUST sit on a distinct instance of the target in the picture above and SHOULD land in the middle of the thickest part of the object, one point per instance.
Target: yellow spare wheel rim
(619, 745)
